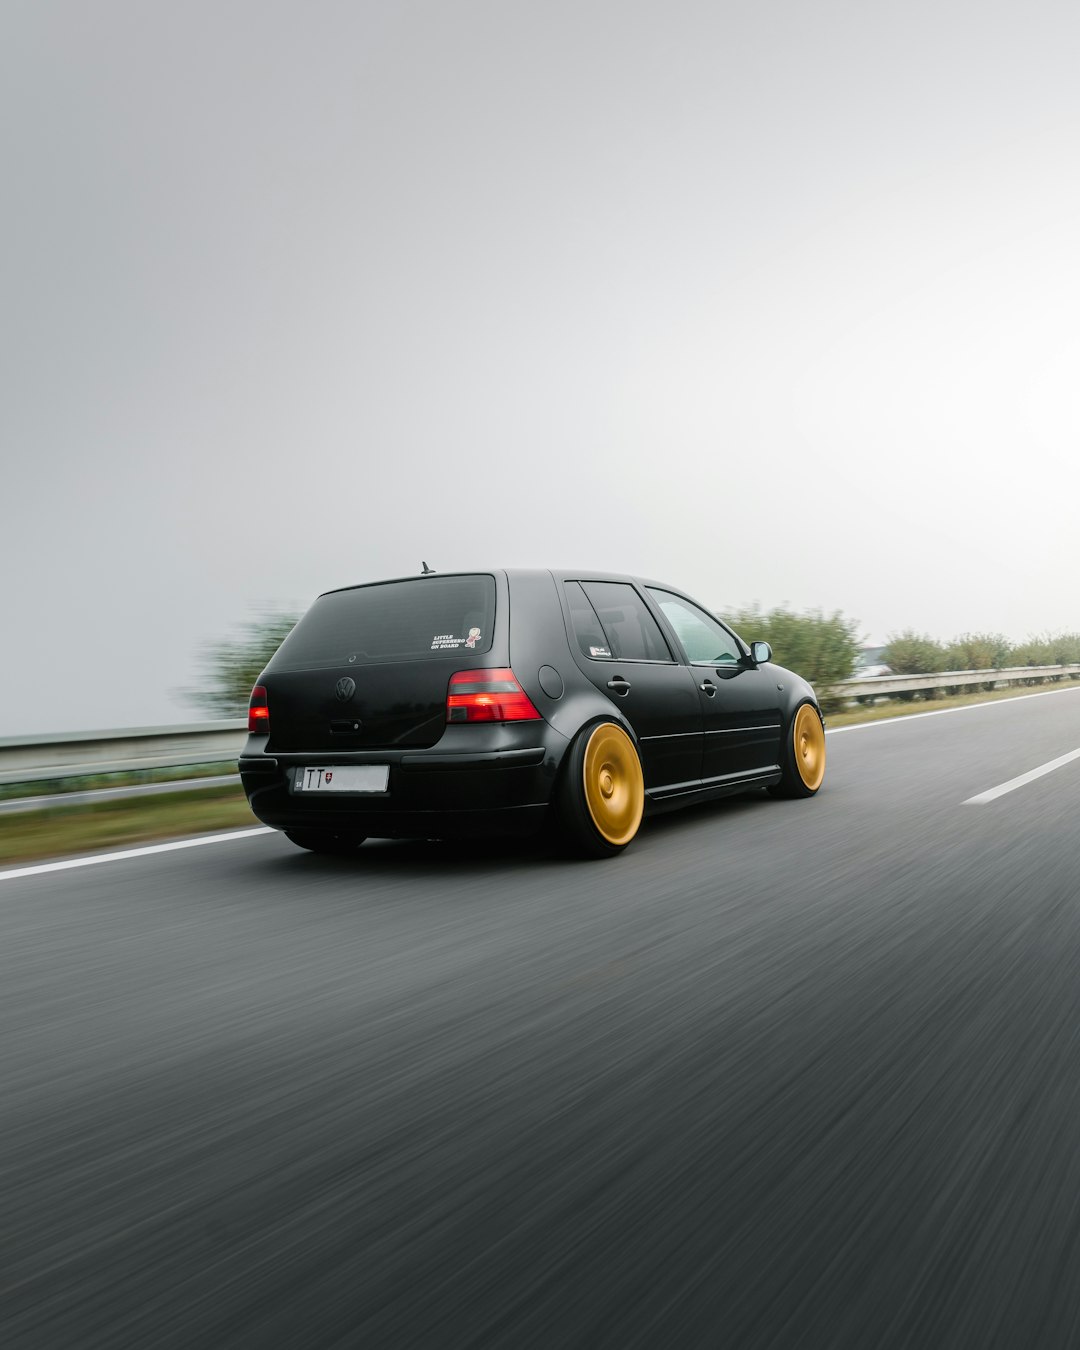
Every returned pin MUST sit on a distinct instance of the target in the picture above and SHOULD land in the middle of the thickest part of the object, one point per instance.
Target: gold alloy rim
(614, 787)
(809, 747)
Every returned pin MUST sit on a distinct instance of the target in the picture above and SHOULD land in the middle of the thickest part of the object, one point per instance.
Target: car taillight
(488, 696)
(258, 712)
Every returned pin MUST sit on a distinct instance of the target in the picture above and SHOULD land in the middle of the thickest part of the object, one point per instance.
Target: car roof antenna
(428, 571)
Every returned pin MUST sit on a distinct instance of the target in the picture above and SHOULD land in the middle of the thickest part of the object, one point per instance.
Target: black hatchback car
(489, 703)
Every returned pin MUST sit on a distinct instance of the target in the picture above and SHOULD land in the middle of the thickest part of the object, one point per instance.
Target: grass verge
(895, 708)
(64, 830)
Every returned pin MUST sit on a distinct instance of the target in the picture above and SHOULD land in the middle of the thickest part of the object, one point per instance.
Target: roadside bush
(1033, 652)
(1065, 648)
(820, 647)
(1050, 649)
(977, 651)
(233, 667)
(911, 653)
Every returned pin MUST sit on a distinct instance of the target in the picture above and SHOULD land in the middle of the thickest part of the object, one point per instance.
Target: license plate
(343, 778)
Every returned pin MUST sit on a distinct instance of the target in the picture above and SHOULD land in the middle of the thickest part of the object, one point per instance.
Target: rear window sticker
(445, 641)
(599, 651)
(473, 638)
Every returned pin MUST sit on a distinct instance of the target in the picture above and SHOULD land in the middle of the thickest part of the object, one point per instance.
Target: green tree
(232, 667)
(821, 647)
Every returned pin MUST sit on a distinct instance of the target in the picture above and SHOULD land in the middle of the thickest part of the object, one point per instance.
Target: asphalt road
(784, 1074)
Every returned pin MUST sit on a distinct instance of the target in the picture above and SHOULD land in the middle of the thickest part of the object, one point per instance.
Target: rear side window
(611, 622)
(588, 629)
(422, 619)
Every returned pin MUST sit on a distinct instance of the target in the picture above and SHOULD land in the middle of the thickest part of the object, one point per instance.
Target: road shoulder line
(992, 794)
(66, 864)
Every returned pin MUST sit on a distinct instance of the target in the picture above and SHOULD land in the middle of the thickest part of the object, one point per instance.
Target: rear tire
(803, 755)
(314, 842)
(602, 795)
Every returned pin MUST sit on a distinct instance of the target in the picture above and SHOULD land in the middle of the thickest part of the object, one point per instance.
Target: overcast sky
(778, 302)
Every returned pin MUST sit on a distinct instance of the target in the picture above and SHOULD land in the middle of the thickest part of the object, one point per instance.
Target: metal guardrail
(35, 759)
(952, 679)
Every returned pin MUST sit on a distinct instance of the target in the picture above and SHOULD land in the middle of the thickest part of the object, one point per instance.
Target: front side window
(705, 640)
(630, 631)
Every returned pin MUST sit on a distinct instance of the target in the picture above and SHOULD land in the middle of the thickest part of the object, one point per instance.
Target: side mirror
(761, 652)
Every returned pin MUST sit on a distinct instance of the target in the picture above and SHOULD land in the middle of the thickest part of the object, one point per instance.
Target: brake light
(488, 696)
(258, 712)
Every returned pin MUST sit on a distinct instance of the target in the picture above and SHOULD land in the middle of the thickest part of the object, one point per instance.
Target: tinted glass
(705, 640)
(632, 632)
(427, 618)
(588, 630)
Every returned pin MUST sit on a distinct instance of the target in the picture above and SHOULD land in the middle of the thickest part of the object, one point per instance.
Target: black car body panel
(701, 728)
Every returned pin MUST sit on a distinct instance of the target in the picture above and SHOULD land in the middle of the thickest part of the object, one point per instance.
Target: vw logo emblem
(346, 687)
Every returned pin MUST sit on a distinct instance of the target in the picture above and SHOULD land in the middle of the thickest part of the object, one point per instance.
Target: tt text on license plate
(343, 778)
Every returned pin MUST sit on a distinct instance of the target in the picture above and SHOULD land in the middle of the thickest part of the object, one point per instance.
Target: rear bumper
(494, 787)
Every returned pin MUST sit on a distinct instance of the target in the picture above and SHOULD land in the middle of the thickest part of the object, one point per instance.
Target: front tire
(803, 758)
(315, 842)
(602, 799)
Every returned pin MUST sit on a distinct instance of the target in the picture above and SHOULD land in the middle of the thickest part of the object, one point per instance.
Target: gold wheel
(809, 736)
(614, 787)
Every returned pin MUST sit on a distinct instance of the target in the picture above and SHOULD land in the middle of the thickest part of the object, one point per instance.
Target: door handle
(619, 685)
(707, 687)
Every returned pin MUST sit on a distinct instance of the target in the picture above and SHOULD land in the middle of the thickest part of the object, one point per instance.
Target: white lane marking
(68, 863)
(944, 712)
(993, 793)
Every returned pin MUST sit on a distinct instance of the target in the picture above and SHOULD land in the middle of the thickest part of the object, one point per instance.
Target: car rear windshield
(426, 618)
